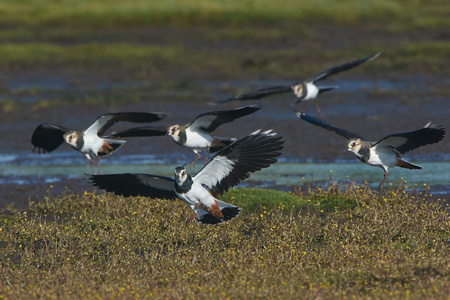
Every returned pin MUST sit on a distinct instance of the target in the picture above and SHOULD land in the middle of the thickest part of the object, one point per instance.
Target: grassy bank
(168, 47)
(325, 243)
(106, 13)
(117, 34)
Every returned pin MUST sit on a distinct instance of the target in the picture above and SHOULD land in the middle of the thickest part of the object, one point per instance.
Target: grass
(168, 43)
(101, 14)
(314, 244)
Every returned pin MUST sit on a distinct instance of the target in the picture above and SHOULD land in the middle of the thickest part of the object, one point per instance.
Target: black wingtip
(439, 131)
(306, 117)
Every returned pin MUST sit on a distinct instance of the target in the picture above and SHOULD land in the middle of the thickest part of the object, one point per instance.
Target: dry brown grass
(393, 245)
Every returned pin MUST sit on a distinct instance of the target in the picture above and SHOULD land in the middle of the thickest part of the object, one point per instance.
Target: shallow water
(306, 147)
(59, 167)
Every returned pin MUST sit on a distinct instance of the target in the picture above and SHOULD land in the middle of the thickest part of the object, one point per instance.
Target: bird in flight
(48, 137)
(387, 152)
(228, 168)
(304, 90)
(196, 135)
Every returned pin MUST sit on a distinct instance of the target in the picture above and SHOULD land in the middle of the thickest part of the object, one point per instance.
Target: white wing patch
(202, 122)
(216, 170)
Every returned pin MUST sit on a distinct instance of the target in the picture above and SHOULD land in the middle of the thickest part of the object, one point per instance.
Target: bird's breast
(310, 91)
(382, 156)
(94, 144)
(198, 139)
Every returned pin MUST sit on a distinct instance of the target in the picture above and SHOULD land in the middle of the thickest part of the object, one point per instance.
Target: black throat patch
(80, 142)
(185, 187)
(364, 154)
(304, 90)
(182, 136)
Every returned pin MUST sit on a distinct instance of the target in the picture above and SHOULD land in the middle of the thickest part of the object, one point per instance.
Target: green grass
(101, 13)
(166, 44)
(390, 245)
(104, 14)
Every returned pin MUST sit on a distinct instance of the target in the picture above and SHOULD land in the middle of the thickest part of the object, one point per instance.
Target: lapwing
(226, 169)
(47, 137)
(196, 135)
(305, 90)
(387, 152)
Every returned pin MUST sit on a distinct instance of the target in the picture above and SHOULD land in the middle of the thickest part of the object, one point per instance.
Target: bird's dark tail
(229, 212)
(403, 163)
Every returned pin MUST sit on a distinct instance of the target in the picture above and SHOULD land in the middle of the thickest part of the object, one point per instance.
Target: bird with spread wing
(387, 152)
(226, 169)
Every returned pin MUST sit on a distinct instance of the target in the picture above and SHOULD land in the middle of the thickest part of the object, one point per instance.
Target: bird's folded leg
(319, 113)
(193, 162)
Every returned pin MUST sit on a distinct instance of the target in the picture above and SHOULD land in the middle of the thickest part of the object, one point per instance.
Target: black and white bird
(196, 135)
(228, 168)
(47, 137)
(305, 90)
(387, 152)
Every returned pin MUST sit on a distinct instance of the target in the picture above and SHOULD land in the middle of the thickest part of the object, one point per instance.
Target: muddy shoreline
(372, 104)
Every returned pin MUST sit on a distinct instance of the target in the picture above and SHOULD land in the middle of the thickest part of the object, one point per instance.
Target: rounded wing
(47, 137)
(209, 121)
(105, 121)
(234, 163)
(318, 122)
(407, 141)
(129, 184)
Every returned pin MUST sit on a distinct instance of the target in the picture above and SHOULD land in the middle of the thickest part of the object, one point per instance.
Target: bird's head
(181, 175)
(71, 138)
(354, 145)
(174, 132)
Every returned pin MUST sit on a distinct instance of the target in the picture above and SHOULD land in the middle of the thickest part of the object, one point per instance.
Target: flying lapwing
(196, 135)
(226, 169)
(304, 90)
(47, 137)
(387, 152)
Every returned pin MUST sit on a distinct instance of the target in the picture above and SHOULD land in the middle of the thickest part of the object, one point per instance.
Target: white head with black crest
(181, 174)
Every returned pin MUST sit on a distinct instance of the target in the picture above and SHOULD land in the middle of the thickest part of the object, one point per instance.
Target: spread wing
(325, 125)
(407, 141)
(261, 93)
(105, 121)
(128, 184)
(47, 137)
(141, 131)
(235, 162)
(209, 121)
(340, 68)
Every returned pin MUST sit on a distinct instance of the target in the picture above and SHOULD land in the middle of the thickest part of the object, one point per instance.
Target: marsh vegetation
(318, 243)
(61, 59)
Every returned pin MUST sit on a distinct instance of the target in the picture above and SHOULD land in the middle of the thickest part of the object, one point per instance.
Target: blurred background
(66, 62)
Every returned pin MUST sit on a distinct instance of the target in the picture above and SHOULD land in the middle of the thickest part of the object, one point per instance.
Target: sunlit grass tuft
(94, 245)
